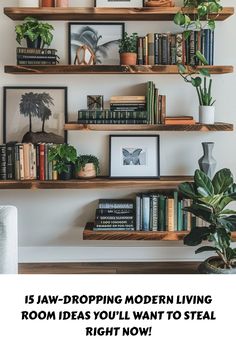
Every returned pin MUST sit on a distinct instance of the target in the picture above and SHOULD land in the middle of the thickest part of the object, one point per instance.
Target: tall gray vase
(207, 163)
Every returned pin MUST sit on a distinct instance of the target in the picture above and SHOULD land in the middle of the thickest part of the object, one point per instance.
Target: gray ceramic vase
(207, 163)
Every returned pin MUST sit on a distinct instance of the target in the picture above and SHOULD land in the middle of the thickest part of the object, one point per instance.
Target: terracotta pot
(128, 58)
(47, 3)
(61, 3)
(89, 171)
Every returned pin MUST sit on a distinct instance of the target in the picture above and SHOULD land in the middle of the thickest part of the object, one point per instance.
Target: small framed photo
(95, 102)
(134, 156)
(119, 3)
(34, 114)
(102, 39)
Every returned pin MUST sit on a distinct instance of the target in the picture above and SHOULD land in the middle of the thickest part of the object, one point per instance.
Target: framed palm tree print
(100, 39)
(35, 114)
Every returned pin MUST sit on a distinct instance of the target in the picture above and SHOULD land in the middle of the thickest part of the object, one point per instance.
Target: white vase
(206, 114)
(28, 3)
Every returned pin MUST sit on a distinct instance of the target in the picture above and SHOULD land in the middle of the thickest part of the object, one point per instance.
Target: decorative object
(47, 3)
(192, 74)
(134, 156)
(102, 38)
(61, 3)
(159, 3)
(210, 199)
(37, 34)
(28, 3)
(95, 102)
(64, 158)
(84, 56)
(35, 114)
(207, 163)
(128, 49)
(87, 166)
(206, 114)
(118, 3)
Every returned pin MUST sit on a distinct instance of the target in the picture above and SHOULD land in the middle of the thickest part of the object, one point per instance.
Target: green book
(180, 215)
(162, 213)
(176, 196)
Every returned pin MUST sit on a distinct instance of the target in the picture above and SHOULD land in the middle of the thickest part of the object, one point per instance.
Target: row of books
(31, 56)
(173, 48)
(26, 162)
(150, 212)
(113, 214)
(156, 105)
(107, 116)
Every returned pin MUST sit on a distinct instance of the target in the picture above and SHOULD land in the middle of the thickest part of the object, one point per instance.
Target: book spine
(26, 158)
(22, 168)
(10, 169)
(140, 51)
(115, 218)
(146, 213)
(173, 49)
(176, 198)
(138, 213)
(151, 59)
(155, 213)
(164, 49)
(39, 57)
(17, 162)
(35, 51)
(179, 48)
(145, 49)
(192, 49)
(36, 62)
(156, 49)
(171, 221)
(3, 162)
(42, 162)
(115, 205)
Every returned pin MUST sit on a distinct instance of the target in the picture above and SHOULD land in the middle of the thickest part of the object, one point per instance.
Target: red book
(41, 162)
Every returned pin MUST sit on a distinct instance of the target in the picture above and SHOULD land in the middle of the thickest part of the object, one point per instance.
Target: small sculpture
(84, 56)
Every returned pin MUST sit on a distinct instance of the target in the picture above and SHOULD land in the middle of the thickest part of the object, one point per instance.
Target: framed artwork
(119, 3)
(101, 38)
(34, 114)
(134, 156)
(95, 102)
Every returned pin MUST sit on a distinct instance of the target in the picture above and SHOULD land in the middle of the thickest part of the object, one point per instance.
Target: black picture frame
(154, 177)
(95, 4)
(5, 90)
(70, 24)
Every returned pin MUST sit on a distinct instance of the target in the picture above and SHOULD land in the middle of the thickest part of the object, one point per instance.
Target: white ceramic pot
(62, 3)
(28, 3)
(206, 114)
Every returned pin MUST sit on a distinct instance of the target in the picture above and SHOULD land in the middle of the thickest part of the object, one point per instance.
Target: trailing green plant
(82, 160)
(210, 201)
(62, 156)
(205, 13)
(32, 29)
(129, 43)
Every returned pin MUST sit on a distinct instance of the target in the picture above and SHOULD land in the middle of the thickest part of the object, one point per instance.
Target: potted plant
(87, 166)
(210, 200)
(205, 11)
(128, 49)
(37, 34)
(64, 157)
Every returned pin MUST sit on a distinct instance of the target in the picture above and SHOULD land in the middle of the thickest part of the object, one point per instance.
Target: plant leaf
(188, 190)
(201, 57)
(222, 181)
(200, 211)
(196, 236)
(204, 72)
(206, 249)
(202, 180)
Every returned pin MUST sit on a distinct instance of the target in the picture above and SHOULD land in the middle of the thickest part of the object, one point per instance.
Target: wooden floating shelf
(104, 14)
(114, 235)
(107, 69)
(146, 127)
(164, 183)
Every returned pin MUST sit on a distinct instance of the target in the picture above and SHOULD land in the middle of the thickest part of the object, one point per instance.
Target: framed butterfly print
(134, 156)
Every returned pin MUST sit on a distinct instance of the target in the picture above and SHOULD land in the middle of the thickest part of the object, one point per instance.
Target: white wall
(51, 222)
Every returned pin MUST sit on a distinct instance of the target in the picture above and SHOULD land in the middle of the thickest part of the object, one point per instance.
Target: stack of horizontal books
(114, 215)
(157, 212)
(181, 120)
(26, 162)
(32, 56)
(173, 48)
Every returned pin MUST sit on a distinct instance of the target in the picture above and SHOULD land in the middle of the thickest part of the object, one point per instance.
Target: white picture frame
(134, 156)
(119, 3)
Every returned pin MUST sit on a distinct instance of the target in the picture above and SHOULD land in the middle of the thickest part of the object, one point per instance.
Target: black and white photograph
(101, 40)
(134, 156)
(35, 114)
(119, 3)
